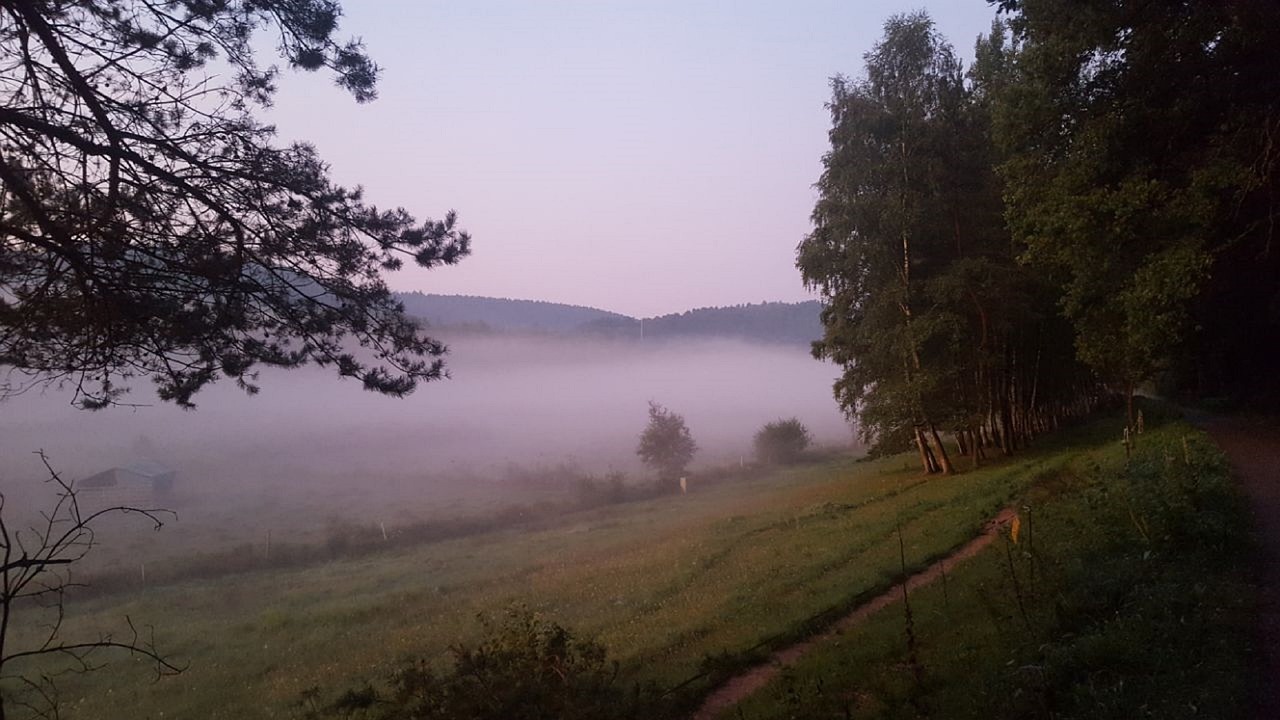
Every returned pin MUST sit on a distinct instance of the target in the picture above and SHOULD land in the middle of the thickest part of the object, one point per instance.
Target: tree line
(769, 322)
(1086, 208)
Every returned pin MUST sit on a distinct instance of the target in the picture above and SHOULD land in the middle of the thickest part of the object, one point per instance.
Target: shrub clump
(782, 441)
(526, 668)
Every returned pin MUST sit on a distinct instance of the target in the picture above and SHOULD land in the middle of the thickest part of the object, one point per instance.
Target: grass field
(736, 568)
(1130, 598)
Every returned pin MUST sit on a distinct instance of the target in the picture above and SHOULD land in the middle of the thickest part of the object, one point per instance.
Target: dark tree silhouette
(525, 668)
(150, 227)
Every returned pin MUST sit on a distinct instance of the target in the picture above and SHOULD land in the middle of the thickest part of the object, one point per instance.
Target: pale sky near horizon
(644, 157)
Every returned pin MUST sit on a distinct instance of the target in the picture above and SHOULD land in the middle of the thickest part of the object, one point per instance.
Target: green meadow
(731, 570)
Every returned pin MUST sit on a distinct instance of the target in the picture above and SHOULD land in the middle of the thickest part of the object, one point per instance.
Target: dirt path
(1254, 451)
(739, 687)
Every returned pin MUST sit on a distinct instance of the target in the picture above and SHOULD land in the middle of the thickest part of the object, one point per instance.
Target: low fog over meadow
(335, 379)
(519, 418)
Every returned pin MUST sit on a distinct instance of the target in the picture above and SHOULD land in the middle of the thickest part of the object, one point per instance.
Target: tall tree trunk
(1032, 411)
(943, 460)
(1007, 440)
(1128, 398)
(974, 449)
(924, 453)
(1006, 427)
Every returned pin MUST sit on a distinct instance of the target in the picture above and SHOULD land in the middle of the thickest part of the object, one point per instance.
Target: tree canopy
(151, 226)
(926, 309)
(1140, 163)
(1091, 205)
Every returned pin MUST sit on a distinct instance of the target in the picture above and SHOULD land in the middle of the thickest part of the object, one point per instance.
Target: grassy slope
(661, 583)
(1139, 607)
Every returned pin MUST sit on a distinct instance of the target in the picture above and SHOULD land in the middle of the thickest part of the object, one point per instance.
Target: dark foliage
(1141, 169)
(150, 225)
(526, 668)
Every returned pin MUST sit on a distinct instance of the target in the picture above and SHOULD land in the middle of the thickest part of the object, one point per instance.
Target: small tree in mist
(782, 441)
(666, 444)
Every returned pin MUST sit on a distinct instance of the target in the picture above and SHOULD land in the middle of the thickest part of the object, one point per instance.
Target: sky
(644, 157)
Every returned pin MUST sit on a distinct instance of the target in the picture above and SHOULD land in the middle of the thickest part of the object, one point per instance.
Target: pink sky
(644, 157)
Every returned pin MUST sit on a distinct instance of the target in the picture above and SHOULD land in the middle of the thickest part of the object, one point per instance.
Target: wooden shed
(139, 485)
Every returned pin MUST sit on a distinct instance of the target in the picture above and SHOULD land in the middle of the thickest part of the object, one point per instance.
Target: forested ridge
(1088, 208)
(474, 312)
(777, 322)
(774, 322)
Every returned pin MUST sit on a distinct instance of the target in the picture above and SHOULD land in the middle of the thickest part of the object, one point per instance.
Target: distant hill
(775, 322)
(500, 314)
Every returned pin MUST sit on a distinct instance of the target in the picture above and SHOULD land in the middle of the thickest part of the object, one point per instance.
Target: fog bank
(526, 401)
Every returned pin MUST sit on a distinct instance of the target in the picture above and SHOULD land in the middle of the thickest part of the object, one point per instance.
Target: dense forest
(1089, 208)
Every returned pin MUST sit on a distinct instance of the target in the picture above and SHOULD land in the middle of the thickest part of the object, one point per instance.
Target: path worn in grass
(738, 688)
(1254, 451)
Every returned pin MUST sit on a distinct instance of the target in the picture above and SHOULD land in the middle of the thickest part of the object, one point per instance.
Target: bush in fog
(781, 441)
(608, 490)
(526, 668)
(666, 444)
(541, 477)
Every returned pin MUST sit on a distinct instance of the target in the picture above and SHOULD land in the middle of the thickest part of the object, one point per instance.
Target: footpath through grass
(1126, 595)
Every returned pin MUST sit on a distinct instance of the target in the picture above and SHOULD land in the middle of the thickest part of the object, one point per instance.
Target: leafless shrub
(35, 577)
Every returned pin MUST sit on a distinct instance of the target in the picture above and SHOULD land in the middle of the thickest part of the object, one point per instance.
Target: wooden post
(384, 530)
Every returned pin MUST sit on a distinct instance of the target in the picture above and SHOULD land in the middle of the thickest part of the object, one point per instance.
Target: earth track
(1253, 449)
(738, 688)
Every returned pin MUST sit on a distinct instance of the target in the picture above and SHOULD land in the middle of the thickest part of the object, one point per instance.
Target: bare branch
(35, 571)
